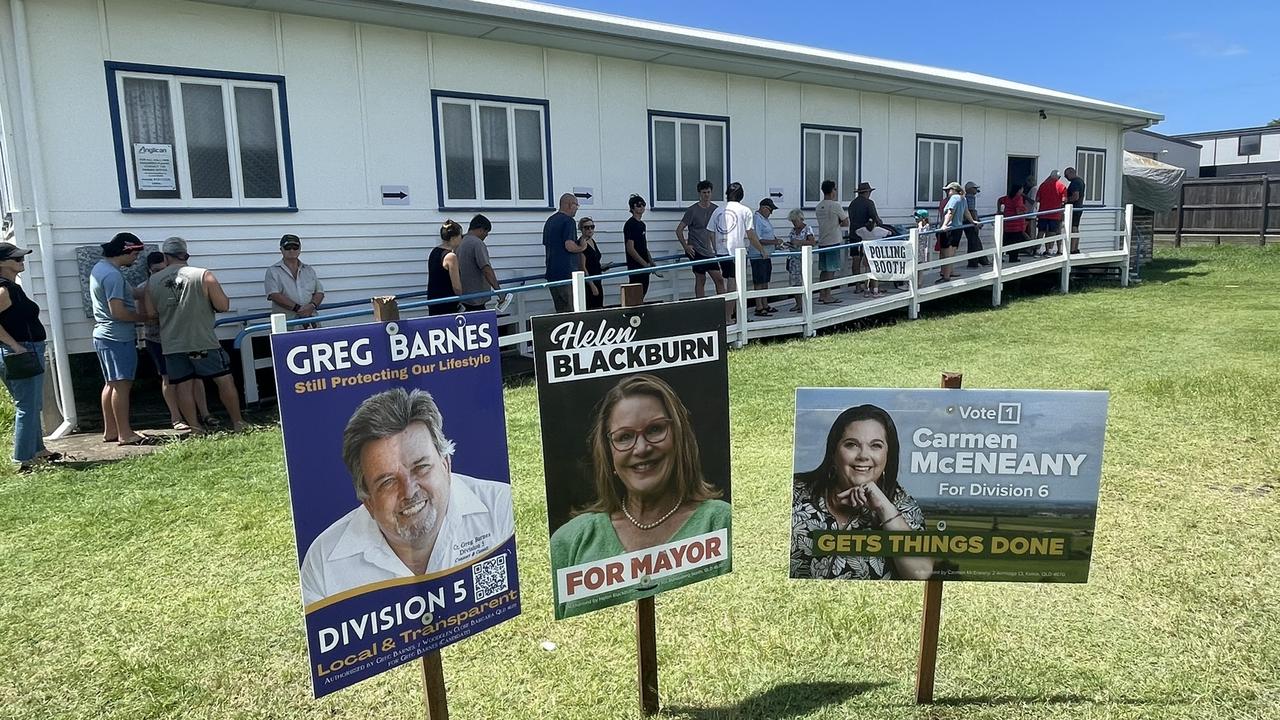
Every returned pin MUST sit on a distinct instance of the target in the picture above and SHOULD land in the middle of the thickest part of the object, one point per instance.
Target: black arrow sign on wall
(583, 195)
(775, 194)
(401, 195)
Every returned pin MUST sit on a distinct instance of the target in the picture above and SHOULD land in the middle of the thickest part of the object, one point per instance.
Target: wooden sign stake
(436, 700)
(646, 617)
(932, 617)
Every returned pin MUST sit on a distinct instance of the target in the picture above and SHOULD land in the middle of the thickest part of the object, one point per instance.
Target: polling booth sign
(635, 435)
(395, 447)
(946, 484)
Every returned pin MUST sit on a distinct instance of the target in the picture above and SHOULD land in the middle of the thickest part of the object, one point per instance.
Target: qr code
(489, 577)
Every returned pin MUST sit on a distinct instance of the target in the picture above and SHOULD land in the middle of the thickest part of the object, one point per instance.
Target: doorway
(1020, 168)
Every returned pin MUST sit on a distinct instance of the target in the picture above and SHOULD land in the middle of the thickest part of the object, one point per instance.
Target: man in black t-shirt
(1075, 198)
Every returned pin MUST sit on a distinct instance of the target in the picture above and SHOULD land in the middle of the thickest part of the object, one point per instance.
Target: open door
(1020, 168)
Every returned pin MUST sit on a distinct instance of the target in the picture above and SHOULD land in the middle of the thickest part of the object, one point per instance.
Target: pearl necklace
(656, 523)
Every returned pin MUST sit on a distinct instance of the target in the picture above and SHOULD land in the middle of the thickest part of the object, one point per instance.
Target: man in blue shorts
(114, 336)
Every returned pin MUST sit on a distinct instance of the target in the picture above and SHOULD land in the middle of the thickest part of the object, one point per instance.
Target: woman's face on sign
(641, 444)
(861, 454)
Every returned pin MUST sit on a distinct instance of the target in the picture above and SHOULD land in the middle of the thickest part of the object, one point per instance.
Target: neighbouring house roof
(1177, 140)
(1208, 134)
(647, 41)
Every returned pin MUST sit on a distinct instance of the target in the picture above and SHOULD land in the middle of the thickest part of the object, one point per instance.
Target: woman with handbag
(22, 347)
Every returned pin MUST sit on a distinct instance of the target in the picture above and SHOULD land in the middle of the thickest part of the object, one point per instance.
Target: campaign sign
(946, 484)
(635, 443)
(395, 445)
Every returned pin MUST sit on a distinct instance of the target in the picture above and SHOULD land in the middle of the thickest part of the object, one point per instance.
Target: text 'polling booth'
(635, 437)
(946, 484)
(395, 445)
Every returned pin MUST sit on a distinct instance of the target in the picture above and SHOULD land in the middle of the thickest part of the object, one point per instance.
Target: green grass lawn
(167, 586)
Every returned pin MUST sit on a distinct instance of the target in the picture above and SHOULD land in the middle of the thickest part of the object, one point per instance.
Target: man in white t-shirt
(733, 227)
(870, 231)
(416, 516)
(831, 217)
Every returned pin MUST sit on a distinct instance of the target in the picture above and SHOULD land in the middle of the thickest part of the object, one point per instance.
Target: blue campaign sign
(946, 484)
(395, 445)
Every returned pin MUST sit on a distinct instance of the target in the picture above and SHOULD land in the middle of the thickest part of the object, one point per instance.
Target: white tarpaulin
(1150, 184)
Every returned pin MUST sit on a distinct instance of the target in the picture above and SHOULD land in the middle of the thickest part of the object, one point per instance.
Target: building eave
(583, 31)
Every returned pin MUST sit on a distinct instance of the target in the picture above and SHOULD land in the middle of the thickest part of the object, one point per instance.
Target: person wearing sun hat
(953, 213)
(115, 336)
(21, 333)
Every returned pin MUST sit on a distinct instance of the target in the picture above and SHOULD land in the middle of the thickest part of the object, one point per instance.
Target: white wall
(360, 117)
(1226, 151)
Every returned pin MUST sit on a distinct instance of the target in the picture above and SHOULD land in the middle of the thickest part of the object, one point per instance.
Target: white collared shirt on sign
(352, 551)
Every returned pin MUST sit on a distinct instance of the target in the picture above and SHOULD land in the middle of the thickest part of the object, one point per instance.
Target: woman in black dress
(442, 270)
(637, 245)
(591, 262)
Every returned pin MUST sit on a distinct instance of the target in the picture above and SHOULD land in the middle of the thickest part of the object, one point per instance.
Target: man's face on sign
(407, 482)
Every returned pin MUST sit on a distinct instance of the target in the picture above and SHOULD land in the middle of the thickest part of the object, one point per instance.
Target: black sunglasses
(291, 246)
(588, 227)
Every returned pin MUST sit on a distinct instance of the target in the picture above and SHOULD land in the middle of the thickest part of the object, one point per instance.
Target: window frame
(823, 131)
(116, 72)
(931, 203)
(543, 107)
(1102, 176)
(1256, 137)
(678, 203)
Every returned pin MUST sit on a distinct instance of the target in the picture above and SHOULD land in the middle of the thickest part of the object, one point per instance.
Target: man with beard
(416, 516)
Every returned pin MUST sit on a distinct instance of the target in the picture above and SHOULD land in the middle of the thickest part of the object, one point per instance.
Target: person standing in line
(972, 239)
(734, 227)
(924, 239)
(443, 279)
(831, 217)
(474, 271)
(761, 263)
(870, 231)
(862, 207)
(1050, 196)
(1029, 203)
(559, 240)
(636, 244)
(115, 337)
(1014, 230)
(22, 333)
(151, 336)
(953, 214)
(292, 286)
(590, 262)
(186, 298)
(1075, 197)
(799, 236)
(700, 245)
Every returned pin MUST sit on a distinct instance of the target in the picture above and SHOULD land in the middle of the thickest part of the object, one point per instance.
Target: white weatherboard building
(230, 122)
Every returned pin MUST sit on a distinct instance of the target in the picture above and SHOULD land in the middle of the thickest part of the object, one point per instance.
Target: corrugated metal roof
(644, 40)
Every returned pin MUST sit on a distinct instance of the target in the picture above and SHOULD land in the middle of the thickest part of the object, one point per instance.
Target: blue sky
(1205, 65)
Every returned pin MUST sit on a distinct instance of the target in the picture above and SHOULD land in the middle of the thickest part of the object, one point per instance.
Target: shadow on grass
(781, 701)
(1072, 699)
(1163, 270)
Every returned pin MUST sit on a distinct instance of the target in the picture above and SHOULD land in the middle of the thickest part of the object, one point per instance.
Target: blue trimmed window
(492, 152)
(683, 150)
(199, 140)
(830, 153)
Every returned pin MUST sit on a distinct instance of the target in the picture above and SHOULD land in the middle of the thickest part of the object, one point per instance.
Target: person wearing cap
(292, 285)
(953, 214)
(21, 332)
(761, 263)
(973, 241)
(186, 299)
(115, 336)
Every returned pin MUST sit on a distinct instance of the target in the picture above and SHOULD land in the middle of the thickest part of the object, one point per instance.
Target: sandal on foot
(181, 427)
(210, 421)
(142, 440)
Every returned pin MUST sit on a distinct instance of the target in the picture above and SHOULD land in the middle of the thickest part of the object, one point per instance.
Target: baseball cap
(175, 246)
(290, 239)
(971, 186)
(953, 186)
(768, 202)
(123, 243)
(8, 251)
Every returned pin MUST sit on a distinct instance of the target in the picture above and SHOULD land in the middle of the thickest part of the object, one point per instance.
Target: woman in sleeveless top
(442, 270)
(20, 333)
(591, 262)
